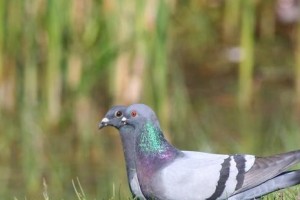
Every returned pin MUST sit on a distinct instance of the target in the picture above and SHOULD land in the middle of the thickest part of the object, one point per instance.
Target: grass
(292, 193)
(78, 190)
(286, 194)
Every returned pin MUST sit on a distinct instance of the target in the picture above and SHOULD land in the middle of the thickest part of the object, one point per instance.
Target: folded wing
(266, 168)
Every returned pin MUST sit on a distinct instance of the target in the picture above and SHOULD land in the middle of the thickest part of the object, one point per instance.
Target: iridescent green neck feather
(151, 139)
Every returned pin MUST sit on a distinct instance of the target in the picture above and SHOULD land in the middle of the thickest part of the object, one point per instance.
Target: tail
(283, 180)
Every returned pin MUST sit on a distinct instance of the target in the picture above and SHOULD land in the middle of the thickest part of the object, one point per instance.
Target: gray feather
(266, 168)
(284, 180)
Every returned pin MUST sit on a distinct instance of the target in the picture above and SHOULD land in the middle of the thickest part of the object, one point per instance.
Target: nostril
(124, 119)
(104, 120)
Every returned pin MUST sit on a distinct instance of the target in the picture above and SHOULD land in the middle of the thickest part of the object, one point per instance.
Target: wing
(283, 180)
(265, 168)
(199, 175)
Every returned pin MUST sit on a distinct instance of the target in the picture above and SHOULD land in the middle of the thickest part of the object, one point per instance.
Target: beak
(124, 120)
(103, 123)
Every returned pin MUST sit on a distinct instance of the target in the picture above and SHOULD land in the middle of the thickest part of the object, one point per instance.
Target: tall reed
(297, 65)
(232, 12)
(2, 19)
(247, 53)
(267, 20)
(160, 63)
(2, 29)
(55, 28)
(32, 141)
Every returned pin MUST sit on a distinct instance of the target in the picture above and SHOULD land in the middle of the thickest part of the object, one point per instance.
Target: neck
(128, 142)
(153, 150)
(151, 140)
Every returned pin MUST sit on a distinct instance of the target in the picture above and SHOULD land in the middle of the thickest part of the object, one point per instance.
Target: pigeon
(113, 118)
(167, 173)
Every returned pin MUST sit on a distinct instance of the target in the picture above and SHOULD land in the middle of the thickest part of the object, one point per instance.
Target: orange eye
(133, 113)
(118, 114)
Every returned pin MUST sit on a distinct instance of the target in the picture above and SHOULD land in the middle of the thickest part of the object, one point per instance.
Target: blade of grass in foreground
(78, 190)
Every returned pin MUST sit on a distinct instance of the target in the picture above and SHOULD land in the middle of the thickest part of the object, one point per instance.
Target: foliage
(223, 77)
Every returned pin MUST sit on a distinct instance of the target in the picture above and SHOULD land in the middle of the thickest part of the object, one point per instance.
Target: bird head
(138, 114)
(113, 117)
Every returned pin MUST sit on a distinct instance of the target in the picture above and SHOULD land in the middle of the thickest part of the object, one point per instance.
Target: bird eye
(133, 113)
(118, 114)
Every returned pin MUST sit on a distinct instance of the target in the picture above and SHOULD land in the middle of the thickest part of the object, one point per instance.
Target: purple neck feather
(153, 150)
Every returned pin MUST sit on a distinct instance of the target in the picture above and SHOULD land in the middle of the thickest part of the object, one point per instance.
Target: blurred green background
(223, 77)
